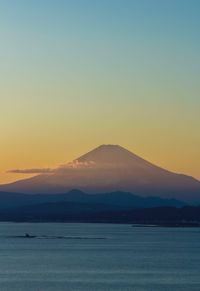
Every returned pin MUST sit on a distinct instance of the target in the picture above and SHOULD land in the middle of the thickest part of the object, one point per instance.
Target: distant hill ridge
(114, 200)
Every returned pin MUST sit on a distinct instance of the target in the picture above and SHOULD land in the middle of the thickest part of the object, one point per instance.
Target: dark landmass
(101, 213)
(170, 224)
(115, 207)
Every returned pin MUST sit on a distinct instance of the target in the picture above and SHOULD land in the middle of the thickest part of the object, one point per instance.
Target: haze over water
(98, 257)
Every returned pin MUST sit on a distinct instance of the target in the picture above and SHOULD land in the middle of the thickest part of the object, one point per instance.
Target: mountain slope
(111, 168)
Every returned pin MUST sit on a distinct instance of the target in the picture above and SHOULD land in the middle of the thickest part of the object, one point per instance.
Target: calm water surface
(98, 257)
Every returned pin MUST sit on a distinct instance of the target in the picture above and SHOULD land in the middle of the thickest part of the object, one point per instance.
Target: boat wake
(53, 237)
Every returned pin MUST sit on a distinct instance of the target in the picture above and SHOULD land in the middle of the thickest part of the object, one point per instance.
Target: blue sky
(75, 74)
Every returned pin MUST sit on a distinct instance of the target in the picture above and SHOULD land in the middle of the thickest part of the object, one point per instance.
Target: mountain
(114, 200)
(111, 168)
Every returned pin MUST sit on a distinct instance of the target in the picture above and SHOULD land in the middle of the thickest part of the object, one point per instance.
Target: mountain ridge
(109, 168)
(122, 200)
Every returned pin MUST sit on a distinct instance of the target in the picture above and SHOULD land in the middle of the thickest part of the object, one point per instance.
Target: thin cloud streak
(31, 171)
(62, 169)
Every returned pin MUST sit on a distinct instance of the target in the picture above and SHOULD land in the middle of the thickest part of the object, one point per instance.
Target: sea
(81, 256)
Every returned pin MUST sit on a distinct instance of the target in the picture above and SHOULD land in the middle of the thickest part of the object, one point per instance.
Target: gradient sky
(75, 74)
